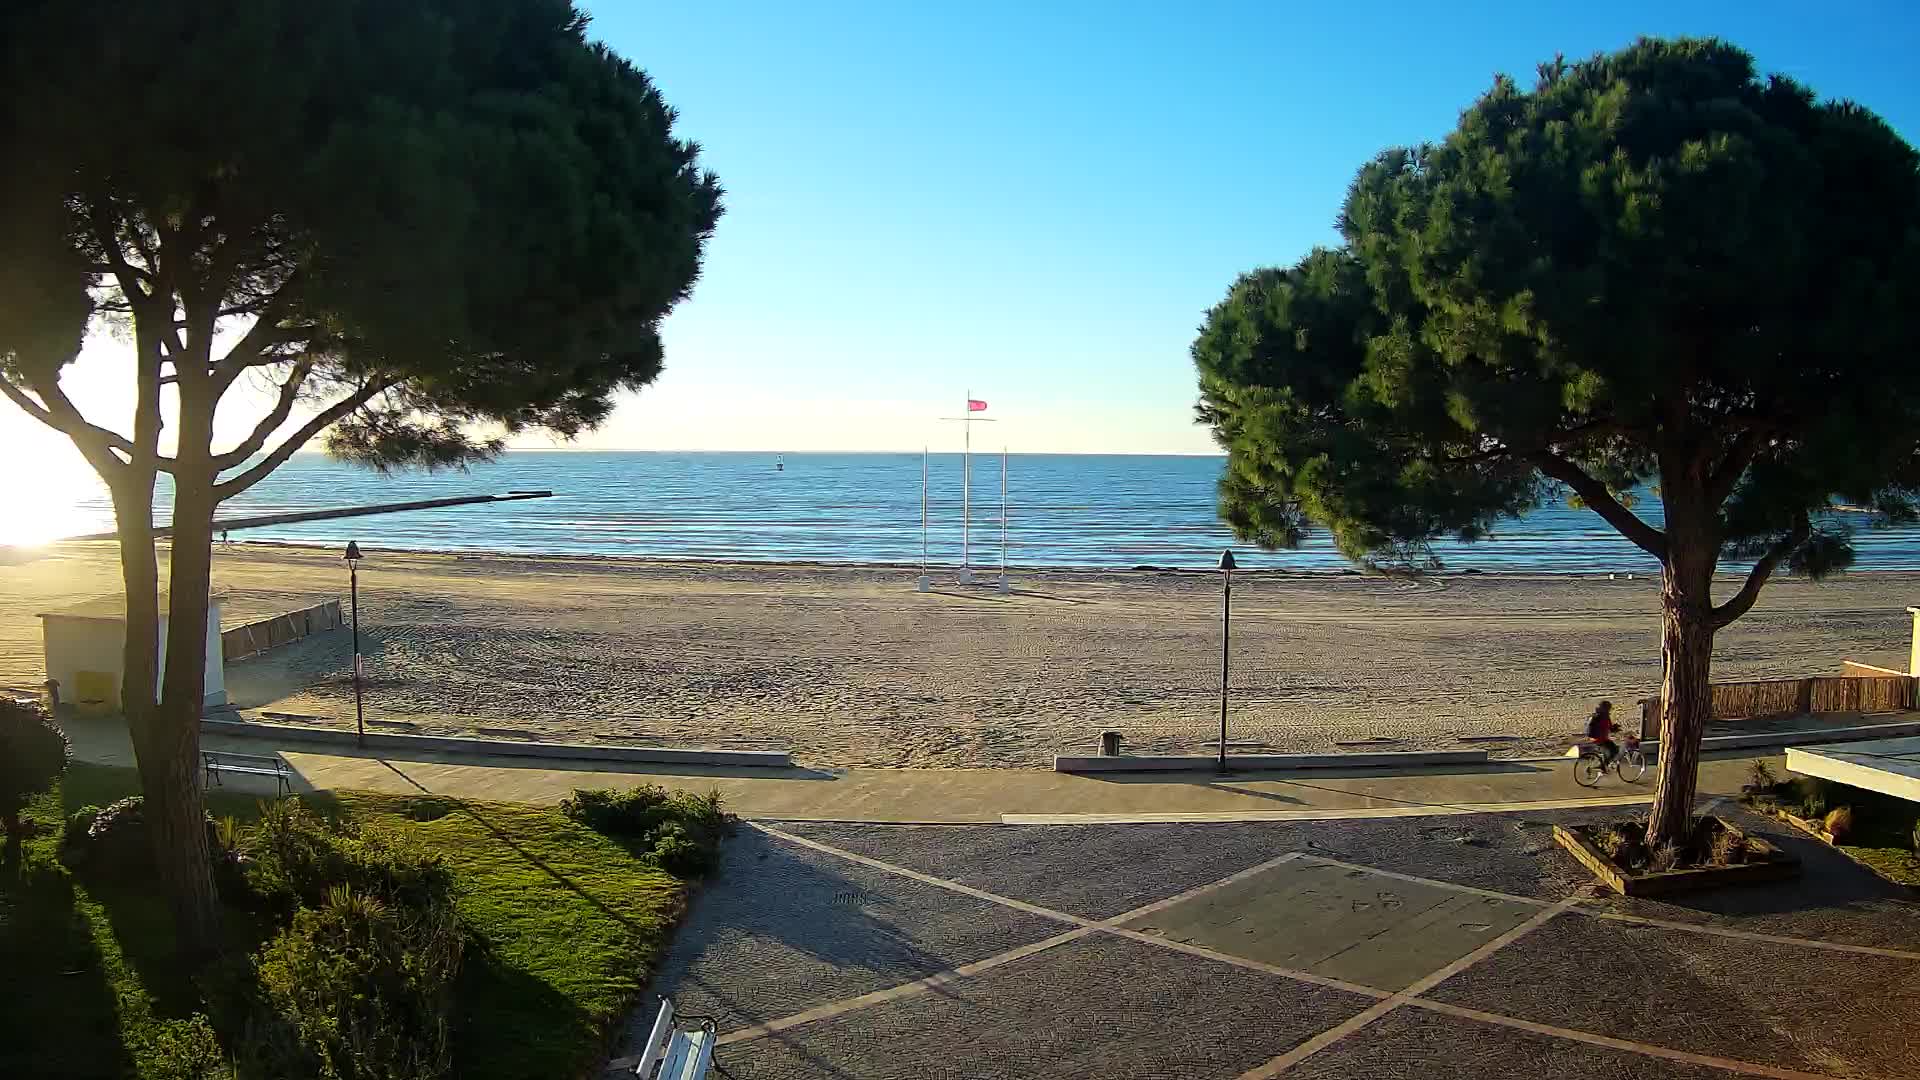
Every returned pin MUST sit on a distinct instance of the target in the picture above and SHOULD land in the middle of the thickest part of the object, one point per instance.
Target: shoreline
(20, 555)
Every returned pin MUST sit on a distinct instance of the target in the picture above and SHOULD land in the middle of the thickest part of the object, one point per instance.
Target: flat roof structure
(1888, 766)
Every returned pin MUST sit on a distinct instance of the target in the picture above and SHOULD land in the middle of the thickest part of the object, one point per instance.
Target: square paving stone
(1097, 1007)
(1340, 922)
(1778, 1005)
(1094, 871)
(1413, 1044)
(1099, 871)
(782, 928)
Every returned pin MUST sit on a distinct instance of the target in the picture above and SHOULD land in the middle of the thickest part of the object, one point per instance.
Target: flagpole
(925, 583)
(1004, 586)
(966, 491)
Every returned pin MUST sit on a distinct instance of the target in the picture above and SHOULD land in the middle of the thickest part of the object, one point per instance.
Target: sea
(1058, 510)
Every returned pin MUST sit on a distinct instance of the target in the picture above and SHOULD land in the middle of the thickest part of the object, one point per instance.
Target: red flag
(976, 405)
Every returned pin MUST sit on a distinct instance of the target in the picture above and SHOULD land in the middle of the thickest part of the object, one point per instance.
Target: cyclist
(1600, 729)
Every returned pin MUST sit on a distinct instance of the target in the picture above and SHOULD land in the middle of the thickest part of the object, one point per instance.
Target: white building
(86, 644)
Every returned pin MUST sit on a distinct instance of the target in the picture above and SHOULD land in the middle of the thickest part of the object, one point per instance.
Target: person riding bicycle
(1600, 729)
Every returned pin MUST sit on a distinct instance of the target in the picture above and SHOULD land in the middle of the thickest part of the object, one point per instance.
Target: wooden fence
(257, 637)
(1779, 697)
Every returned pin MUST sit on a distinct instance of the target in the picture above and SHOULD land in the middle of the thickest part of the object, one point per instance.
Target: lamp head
(353, 552)
(1226, 561)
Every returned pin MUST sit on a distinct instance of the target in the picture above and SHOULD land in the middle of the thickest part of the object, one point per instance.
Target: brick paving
(1385, 948)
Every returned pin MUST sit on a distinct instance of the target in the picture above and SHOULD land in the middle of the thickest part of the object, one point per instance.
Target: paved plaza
(1395, 947)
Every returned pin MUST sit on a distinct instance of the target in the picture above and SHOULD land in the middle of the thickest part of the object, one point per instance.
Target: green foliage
(359, 989)
(466, 195)
(1813, 807)
(33, 754)
(1760, 778)
(294, 857)
(1642, 271)
(179, 1050)
(680, 831)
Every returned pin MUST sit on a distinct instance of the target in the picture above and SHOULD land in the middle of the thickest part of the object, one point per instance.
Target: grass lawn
(567, 925)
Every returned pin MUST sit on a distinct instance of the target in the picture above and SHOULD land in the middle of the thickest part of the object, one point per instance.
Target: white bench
(672, 1054)
(215, 762)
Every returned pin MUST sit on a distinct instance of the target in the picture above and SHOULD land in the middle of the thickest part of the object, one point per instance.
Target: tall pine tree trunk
(170, 773)
(1686, 693)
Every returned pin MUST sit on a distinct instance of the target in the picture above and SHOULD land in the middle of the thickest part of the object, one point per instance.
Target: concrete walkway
(1015, 796)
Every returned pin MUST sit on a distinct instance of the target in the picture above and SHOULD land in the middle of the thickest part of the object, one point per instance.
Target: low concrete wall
(655, 755)
(257, 637)
(1246, 762)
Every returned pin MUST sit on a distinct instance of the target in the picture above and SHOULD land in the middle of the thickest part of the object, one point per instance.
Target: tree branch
(109, 238)
(227, 489)
(282, 408)
(1742, 602)
(58, 413)
(1602, 502)
(1734, 465)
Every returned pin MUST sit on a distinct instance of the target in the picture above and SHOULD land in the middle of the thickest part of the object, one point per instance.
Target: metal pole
(966, 490)
(923, 511)
(1003, 515)
(1226, 630)
(359, 709)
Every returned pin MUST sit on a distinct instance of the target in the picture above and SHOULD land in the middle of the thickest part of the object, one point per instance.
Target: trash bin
(1110, 744)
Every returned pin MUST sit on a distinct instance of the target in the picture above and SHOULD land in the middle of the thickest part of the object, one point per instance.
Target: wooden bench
(673, 1054)
(215, 762)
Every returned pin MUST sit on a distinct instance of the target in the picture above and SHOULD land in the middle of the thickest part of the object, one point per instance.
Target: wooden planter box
(1777, 866)
(1818, 831)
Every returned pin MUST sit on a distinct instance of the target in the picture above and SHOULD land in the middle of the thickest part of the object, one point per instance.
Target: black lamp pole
(353, 579)
(1226, 632)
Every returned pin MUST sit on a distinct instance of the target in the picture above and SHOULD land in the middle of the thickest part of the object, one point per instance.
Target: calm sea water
(1062, 510)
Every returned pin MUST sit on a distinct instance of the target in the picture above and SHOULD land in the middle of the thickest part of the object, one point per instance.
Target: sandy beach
(848, 666)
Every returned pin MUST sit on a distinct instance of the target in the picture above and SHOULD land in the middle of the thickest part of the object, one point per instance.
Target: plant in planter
(1711, 853)
(33, 754)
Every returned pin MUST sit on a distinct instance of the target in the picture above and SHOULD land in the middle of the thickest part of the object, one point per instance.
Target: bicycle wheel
(1631, 766)
(1586, 771)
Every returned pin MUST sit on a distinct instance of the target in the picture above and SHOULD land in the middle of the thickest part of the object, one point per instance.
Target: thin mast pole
(923, 510)
(966, 486)
(1003, 513)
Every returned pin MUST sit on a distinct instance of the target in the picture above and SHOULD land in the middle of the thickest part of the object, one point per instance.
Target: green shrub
(178, 1050)
(358, 988)
(81, 820)
(293, 857)
(1813, 807)
(33, 754)
(1916, 838)
(678, 830)
(1839, 823)
(1760, 778)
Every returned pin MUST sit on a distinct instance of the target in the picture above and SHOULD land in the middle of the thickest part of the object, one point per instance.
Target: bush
(1665, 857)
(1813, 807)
(679, 831)
(33, 754)
(1839, 823)
(358, 988)
(293, 857)
(178, 1050)
(1760, 778)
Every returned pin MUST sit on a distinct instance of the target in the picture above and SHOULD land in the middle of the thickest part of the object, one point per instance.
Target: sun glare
(49, 494)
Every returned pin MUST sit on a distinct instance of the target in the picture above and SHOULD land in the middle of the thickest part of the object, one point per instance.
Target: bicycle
(1629, 764)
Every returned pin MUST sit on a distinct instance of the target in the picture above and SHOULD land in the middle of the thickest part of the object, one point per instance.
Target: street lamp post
(1226, 631)
(353, 588)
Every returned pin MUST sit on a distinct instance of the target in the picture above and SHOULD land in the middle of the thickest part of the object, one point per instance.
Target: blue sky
(1038, 201)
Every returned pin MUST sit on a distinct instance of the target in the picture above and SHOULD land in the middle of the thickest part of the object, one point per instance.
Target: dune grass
(566, 925)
